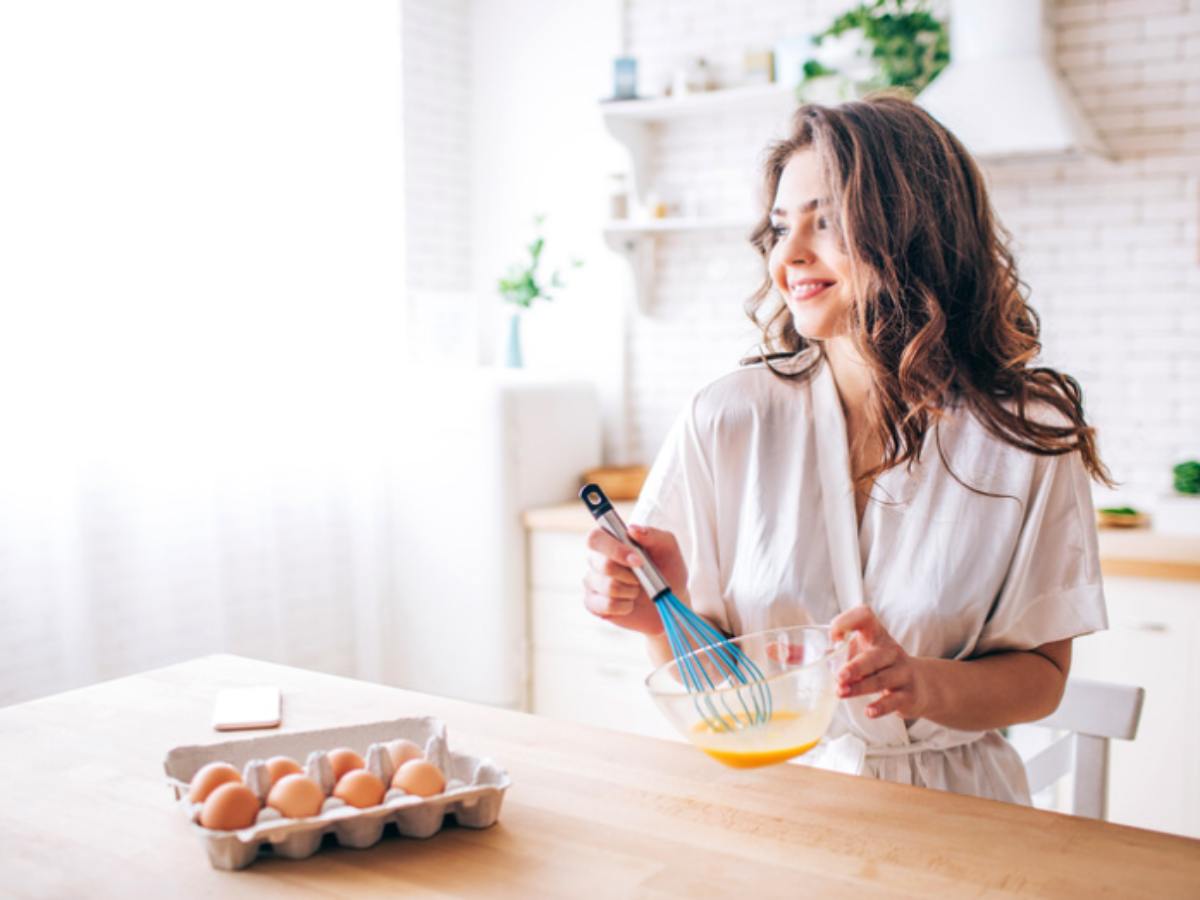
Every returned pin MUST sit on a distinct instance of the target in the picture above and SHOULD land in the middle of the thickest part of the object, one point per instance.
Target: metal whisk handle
(602, 511)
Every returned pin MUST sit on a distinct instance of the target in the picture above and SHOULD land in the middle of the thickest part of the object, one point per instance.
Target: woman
(891, 463)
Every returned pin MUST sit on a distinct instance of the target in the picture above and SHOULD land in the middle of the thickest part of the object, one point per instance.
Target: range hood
(1002, 94)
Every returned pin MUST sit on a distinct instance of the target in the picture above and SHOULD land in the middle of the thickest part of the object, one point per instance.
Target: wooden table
(85, 812)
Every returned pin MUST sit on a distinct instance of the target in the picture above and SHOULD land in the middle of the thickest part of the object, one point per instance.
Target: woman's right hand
(610, 589)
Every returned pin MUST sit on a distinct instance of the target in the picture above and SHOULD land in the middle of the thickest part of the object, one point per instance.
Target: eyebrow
(804, 207)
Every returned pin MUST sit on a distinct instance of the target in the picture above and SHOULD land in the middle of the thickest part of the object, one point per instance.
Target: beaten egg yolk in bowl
(781, 711)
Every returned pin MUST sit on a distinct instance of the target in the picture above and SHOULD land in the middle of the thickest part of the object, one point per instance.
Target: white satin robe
(754, 481)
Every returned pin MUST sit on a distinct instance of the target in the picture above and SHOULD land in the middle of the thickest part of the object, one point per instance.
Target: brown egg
(228, 807)
(360, 788)
(296, 796)
(419, 777)
(278, 766)
(343, 760)
(401, 751)
(211, 777)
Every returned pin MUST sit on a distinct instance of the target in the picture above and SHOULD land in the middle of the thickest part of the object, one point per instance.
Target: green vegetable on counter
(1187, 477)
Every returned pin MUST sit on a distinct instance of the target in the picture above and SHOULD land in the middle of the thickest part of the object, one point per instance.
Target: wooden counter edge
(1129, 554)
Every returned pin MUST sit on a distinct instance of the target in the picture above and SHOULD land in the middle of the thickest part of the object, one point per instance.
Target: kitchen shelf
(657, 109)
(635, 227)
(635, 240)
(635, 124)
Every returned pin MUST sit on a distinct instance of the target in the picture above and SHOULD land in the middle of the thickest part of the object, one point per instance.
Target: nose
(795, 248)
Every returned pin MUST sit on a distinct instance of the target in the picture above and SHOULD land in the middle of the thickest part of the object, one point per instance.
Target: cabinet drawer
(1154, 780)
(596, 691)
(559, 621)
(557, 560)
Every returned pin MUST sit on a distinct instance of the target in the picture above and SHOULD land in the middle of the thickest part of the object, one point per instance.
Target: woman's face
(808, 264)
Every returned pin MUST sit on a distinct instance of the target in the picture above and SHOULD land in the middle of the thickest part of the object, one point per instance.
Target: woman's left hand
(878, 665)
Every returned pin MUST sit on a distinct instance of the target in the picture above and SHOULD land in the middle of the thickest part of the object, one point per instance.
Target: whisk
(716, 672)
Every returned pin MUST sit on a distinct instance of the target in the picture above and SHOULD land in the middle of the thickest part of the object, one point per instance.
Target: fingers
(602, 565)
(860, 619)
(654, 539)
(600, 603)
(890, 702)
(609, 547)
(877, 666)
(663, 549)
(610, 562)
(868, 662)
(611, 587)
(619, 588)
(889, 679)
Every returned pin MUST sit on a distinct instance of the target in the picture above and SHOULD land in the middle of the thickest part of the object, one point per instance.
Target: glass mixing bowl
(783, 714)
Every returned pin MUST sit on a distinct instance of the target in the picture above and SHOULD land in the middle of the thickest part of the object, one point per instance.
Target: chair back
(1091, 713)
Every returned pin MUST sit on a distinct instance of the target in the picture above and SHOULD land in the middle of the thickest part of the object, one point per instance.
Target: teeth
(807, 290)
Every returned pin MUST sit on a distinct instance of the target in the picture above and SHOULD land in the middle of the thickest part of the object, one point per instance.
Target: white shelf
(638, 227)
(634, 123)
(733, 99)
(635, 240)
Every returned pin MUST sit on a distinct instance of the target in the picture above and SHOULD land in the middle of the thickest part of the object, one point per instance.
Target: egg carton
(474, 789)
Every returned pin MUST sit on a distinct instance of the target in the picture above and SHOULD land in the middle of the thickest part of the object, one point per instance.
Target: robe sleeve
(679, 497)
(1053, 589)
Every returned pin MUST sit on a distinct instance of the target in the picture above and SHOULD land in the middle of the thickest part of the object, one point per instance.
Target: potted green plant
(878, 44)
(523, 286)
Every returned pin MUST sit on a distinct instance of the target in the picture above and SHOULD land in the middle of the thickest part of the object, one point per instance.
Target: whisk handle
(602, 511)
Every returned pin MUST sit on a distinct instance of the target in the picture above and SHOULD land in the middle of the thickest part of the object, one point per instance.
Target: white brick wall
(435, 58)
(1110, 248)
(434, 55)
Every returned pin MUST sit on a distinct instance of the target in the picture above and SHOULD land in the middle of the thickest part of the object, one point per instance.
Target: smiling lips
(807, 288)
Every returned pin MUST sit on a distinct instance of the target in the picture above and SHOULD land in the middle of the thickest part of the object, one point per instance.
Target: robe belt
(946, 741)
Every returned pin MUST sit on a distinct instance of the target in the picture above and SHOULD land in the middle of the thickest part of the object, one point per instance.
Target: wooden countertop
(87, 812)
(1135, 553)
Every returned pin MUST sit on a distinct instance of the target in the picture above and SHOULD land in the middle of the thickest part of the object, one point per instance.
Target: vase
(512, 347)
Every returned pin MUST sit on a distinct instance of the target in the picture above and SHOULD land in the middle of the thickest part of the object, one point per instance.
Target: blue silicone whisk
(729, 690)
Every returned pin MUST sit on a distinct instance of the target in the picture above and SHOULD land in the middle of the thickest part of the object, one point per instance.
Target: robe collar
(841, 528)
(837, 490)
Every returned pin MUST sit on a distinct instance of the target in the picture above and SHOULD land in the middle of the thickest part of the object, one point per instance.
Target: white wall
(200, 278)
(538, 68)
(208, 442)
(436, 48)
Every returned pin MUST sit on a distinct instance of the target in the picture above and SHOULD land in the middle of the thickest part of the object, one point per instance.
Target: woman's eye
(779, 230)
(822, 223)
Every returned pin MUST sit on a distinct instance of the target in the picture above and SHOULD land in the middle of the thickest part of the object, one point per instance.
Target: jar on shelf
(691, 76)
(618, 196)
(656, 206)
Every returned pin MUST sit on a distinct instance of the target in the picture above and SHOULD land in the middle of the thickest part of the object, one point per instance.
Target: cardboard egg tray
(474, 789)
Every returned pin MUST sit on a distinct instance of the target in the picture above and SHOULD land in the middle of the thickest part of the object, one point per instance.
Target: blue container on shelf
(624, 78)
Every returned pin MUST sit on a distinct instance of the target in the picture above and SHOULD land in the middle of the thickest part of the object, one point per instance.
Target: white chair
(1092, 713)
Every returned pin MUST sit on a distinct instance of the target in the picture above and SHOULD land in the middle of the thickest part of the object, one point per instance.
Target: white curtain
(200, 310)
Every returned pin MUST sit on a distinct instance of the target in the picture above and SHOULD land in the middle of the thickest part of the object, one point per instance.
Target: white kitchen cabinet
(582, 668)
(492, 442)
(1152, 642)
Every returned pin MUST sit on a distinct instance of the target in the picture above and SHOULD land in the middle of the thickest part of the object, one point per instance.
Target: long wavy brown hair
(942, 318)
